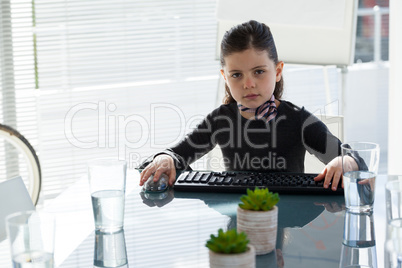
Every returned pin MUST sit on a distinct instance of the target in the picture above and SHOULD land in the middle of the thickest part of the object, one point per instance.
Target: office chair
(13, 192)
(335, 126)
(18, 153)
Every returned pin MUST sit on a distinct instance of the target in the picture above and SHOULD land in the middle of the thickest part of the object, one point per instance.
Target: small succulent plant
(259, 200)
(229, 242)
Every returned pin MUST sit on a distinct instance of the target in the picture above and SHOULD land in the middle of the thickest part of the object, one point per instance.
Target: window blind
(104, 78)
(16, 77)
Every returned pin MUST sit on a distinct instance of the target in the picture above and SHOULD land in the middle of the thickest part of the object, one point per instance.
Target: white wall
(395, 89)
(366, 106)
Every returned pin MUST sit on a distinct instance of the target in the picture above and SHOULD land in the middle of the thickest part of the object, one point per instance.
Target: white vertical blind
(90, 74)
(18, 108)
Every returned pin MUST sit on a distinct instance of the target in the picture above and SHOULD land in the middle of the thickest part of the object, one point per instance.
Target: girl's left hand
(332, 172)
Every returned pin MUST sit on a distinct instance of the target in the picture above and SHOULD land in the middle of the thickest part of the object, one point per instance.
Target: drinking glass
(107, 181)
(358, 246)
(359, 185)
(31, 236)
(393, 242)
(393, 198)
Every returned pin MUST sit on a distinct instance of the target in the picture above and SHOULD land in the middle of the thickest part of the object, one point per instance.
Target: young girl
(255, 128)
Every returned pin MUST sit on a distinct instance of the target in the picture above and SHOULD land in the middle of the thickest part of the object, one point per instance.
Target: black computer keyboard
(282, 183)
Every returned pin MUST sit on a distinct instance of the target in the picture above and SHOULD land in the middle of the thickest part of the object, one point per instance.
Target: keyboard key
(244, 182)
(205, 178)
(228, 181)
(190, 177)
(182, 177)
(219, 181)
(213, 180)
(236, 181)
(197, 177)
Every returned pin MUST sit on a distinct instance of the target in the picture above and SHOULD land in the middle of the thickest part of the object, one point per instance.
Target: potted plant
(257, 216)
(230, 249)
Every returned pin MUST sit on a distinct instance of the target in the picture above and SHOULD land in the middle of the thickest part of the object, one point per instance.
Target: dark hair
(251, 34)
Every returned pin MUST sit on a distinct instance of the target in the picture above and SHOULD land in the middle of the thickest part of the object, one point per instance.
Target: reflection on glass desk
(359, 245)
(171, 229)
(110, 249)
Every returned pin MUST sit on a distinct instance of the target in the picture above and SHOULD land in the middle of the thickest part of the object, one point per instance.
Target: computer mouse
(161, 185)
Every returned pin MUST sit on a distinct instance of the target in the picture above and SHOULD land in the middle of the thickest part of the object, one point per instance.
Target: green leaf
(228, 242)
(259, 199)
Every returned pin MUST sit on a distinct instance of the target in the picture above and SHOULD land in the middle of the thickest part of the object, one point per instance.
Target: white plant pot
(261, 228)
(238, 260)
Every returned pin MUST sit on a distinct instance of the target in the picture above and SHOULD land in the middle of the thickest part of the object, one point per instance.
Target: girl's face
(251, 76)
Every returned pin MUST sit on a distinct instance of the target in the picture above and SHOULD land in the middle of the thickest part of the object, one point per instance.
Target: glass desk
(172, 231)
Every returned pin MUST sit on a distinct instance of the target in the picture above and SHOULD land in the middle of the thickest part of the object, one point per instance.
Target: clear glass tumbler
(359, 184)
(107, 181)
(31, 236)
(393, 242)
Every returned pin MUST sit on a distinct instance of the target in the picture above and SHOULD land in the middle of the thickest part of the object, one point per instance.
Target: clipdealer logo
(113, 129)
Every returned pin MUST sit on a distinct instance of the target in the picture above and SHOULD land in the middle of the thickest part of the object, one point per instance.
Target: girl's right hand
(162, 163)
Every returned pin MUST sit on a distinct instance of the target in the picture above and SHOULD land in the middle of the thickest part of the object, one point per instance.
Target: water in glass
(359, 190)
(108, 208)
(33, 259)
